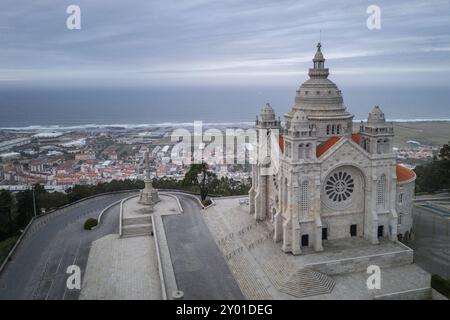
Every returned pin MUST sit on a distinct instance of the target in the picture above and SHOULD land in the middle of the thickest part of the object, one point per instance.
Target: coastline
(138, 126)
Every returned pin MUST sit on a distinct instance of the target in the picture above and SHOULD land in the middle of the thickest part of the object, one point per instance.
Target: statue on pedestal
(149, 196)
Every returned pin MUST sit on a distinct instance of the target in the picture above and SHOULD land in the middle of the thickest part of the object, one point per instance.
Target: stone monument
(149, 196)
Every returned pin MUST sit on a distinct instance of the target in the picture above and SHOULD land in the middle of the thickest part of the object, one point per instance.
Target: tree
(6, 220)
(444, 154)
(199, 175)
(435, 175)
(24, 208)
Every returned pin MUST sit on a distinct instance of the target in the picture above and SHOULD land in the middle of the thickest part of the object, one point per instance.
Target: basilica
(331, 181)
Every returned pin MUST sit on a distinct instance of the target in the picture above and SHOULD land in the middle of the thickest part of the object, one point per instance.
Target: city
(62, 159)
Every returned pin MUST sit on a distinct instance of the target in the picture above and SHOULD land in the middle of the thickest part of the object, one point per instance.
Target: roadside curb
(175, 197)
(122, 201)
(160, 265)
(99, 219)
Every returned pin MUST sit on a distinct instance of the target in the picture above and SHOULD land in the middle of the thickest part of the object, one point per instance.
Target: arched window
(338, 130)
(301, 151)
(381, 190)
(333, 129)
(308, 151)
(304, 198)
(379, 146)
(386, 146)
(328, 130)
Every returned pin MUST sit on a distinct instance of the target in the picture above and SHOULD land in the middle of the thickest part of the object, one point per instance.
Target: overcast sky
(224, 42)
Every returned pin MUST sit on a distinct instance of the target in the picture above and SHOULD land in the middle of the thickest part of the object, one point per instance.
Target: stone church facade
(330, 183)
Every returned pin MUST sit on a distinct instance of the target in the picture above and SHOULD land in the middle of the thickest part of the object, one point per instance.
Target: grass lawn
(434, 133)
(5, 247)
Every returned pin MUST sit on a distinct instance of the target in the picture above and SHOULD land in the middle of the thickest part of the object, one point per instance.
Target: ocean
(77, 107)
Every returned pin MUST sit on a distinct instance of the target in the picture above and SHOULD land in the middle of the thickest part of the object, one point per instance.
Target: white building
(10, 144)
(329, 182)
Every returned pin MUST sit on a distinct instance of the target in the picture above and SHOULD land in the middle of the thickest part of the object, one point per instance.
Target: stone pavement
(133, 209)
(127, 267)
(122, 269)
(263, 271)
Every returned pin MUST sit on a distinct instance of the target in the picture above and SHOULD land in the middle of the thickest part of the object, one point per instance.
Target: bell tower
(377, 135)
(267, 133)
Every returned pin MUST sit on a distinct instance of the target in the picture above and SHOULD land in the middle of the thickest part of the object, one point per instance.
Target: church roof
(404, 174)
(376, 116)
(267, 113)
(319, 97)
(281, 142)
(356, 137)
(324, 147)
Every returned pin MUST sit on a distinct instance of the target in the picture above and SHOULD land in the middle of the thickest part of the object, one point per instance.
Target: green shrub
(441, 285)
(90, 223)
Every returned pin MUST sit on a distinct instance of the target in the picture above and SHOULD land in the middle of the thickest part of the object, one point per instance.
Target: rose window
(339, 186)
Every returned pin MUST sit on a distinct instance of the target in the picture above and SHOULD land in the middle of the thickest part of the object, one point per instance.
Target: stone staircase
(137, 226)
(137, 220)
(137, 230)
(266, 256)
(242, 268)
(284, 276)
(307, 282)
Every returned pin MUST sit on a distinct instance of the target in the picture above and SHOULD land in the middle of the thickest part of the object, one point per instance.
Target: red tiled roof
(326, 145)
(281, 142)
(404, 174)
(356, 137)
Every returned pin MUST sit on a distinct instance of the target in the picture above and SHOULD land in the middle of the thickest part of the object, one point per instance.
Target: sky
(225, 42)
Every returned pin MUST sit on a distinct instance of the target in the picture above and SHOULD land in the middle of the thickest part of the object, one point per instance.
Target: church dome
(318, 96)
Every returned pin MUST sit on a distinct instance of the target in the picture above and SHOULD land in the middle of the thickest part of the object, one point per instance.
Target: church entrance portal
(305, 240)
(380, 231)
(324, 233)
(353, 230)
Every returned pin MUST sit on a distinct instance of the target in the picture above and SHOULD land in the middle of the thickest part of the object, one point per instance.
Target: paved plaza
(126, 266)
(122, 269)
(263, 271)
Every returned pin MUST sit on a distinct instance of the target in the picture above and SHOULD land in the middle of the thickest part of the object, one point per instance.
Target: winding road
(54, 242)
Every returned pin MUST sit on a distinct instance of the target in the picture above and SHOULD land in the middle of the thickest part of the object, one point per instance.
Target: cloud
(227, 41)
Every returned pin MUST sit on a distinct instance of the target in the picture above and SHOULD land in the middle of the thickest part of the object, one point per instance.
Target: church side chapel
(331, 182)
